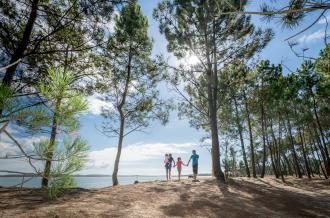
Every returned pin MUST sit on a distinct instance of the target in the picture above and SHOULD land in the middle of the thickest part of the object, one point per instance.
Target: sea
(82, 181)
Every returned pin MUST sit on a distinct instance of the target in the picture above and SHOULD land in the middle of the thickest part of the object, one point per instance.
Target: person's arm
(189, 161)
(173, 162)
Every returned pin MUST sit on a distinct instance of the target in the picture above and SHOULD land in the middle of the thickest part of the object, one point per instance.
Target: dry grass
(240, 197)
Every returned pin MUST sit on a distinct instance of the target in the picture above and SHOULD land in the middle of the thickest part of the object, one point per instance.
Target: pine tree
(193, 27)
(130, 80)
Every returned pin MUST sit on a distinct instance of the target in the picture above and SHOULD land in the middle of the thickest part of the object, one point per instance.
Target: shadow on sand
(248, 199)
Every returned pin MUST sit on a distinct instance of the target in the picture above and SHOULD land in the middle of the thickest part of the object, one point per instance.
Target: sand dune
(240, 197)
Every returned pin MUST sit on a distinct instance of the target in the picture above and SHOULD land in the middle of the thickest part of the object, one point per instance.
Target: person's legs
(169, 172)
(166, 172)
(195, 171)
(179, 173)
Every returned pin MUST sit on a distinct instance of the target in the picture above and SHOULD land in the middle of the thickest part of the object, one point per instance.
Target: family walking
(169, 160)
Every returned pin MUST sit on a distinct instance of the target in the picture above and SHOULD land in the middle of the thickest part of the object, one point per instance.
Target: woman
(168, 165)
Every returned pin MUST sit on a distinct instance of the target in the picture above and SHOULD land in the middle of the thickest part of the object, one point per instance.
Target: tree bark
(263, 140)
(271, 157)
(325, 155)
(293, 150)
(212, 89)
(240, 131)
(321, 132)
(51, 145)
(119, 149)
(22, 45)
(122, 120)
(304, 154)
(253, 165)
(21, 48)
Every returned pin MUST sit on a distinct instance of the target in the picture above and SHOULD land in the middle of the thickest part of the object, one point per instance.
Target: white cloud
(312, 37)
(134, 157)
(8, 147)
(96, 103)
(324, 20)
(140, 158)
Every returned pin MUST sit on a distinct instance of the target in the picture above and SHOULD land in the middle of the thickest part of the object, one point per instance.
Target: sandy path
(241, 197)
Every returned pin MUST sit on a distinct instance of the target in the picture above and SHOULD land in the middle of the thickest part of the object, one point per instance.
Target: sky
(143, 153)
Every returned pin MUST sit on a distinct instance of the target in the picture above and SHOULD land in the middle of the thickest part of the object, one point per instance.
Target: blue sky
(143, 152)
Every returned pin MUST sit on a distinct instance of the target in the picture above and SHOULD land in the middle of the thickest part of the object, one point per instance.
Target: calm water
(82, 182)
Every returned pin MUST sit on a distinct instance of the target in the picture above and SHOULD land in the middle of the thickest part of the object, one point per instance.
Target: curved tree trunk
(120, 146)
(122, 119)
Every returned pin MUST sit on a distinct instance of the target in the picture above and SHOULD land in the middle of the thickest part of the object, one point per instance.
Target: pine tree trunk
(321, 133)
(253, 164)
(22, 45)
(315, 161)
(51, 145)
(240, 131)
(119, 149)
(293, 150)
(212, 89)
(263, 140)
(272, 160)
(21, 48)
(323, 151)
(272, 151)
(214, 136)
(290, 171)
(320, 163)
(281, 171)
(273, 163)
(122, 119)
(304, 154)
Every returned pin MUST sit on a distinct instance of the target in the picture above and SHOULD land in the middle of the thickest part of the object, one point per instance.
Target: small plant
(67, 159)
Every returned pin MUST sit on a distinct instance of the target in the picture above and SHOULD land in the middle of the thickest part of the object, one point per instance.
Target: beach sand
(240, 197)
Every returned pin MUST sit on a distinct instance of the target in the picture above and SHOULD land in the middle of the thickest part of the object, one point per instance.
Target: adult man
(194, 157)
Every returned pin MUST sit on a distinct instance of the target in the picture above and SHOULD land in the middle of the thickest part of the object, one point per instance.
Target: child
(179, 164)
(167, 165)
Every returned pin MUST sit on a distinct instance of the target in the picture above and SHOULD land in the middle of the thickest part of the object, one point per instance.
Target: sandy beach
(266, 197)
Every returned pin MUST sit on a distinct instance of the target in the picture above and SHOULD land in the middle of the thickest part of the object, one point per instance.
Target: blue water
(82, 182)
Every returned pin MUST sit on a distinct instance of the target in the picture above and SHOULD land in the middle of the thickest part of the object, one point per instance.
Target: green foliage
(67, 160)
(192, 27)
(6, 101)
(131, 75)
(60, 116)
(60, 29)
(288, 105)
(61, 100)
